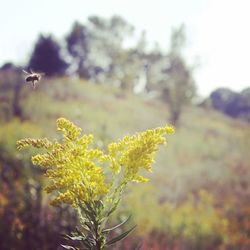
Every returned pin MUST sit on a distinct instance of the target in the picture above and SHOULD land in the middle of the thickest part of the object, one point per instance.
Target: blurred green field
(198, 196)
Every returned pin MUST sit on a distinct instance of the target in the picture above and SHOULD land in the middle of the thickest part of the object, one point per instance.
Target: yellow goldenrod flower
(137, 152)
(71, 166)
(91, 181)
(76, 170)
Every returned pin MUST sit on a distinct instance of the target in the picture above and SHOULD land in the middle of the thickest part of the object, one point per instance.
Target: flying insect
(33, 77)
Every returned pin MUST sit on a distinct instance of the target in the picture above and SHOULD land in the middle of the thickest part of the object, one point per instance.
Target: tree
(179, 87)
(78, 43)
(231, 103)
(47, 58)
(225, 100)
(244, 104)
(107, 52)
(97, 49)
(156, 63)
(11, 81)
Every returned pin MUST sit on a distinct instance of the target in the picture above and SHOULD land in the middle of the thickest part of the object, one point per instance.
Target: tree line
(97, 51)
(231, 103)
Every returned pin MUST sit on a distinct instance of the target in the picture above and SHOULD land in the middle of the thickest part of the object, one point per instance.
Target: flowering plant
(92, 181)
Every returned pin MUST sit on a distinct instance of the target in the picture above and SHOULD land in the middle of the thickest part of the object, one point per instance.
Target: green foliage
(11, 132)
(195, 219)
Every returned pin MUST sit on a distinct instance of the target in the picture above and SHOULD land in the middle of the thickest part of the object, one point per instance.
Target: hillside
(205, 137)
(207, 157)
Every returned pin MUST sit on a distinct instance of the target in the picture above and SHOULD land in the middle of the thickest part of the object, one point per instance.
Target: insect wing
(24, 71)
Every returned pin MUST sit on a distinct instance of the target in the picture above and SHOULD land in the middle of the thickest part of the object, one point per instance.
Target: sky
(218, 33)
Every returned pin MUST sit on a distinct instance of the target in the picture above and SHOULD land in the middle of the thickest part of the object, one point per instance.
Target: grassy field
(200, 181)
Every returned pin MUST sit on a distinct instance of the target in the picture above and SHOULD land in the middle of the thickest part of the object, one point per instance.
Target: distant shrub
(234, 104)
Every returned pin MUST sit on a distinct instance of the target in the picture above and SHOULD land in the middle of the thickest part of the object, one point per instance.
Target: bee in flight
(33, 77)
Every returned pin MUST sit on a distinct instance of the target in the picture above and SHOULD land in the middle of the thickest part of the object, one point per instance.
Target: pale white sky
(218, 30)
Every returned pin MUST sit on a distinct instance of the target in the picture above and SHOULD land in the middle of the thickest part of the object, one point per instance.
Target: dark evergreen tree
(47, 58)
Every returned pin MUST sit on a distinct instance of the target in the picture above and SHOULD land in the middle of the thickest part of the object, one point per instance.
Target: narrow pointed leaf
(91, 241)
(86, 227)
(68, 247)
(99, 204)
(79, 232)
(88, 213)
(76, 237)
(86, 244)
(121, 236)
(112, 228)
(90, 208)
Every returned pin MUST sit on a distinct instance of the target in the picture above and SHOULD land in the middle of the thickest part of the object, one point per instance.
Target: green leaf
(79, 238)
(86, 244)
(91, 241)
(112, 228)
(99, 205)
(121, 236)
(79, 232)
(68, 247)
(90, 215)
(86, 227)
(90, 207)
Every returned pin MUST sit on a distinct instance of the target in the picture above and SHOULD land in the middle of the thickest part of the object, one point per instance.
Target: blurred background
(115, 68)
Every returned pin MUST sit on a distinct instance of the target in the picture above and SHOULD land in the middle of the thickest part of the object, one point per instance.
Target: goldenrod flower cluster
(76, 170)
(137, 152)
